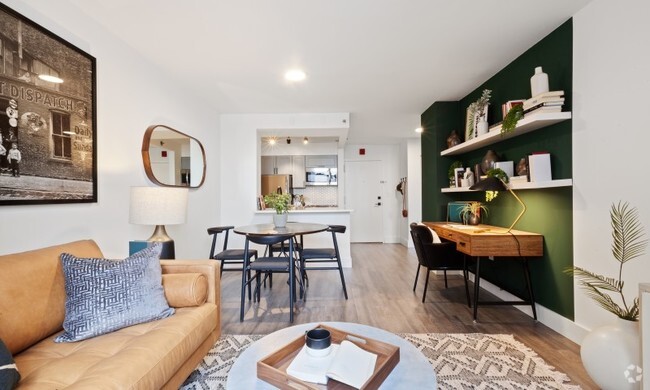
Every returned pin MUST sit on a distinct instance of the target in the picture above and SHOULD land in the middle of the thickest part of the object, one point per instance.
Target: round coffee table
(412, 372)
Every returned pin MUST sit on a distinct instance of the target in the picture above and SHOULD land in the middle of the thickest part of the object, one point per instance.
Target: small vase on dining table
(280, 220)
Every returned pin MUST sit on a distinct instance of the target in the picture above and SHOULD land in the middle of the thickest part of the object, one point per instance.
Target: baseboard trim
(558, 323)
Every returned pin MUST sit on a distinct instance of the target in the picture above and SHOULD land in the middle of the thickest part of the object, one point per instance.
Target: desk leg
(466, 276)
(477, 278)
(529, 285)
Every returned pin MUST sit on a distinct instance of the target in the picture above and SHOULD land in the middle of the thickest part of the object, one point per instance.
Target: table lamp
(495, 184)
(159, 206)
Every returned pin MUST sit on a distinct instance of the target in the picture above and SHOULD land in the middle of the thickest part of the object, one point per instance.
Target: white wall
(131, 95)
(389, 155)
(611, 82)
(414, 173)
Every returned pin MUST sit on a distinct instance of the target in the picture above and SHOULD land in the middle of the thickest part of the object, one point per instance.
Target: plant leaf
(596, 281)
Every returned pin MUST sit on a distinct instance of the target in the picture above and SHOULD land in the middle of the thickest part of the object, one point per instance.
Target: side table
(412, 372)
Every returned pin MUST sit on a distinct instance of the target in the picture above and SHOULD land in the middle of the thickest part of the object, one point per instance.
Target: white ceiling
(383, 61)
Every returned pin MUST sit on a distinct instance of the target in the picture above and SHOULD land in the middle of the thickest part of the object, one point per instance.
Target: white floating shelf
(530, 122)
(526, 185)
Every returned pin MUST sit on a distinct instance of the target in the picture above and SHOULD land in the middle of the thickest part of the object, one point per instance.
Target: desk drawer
(463, 244)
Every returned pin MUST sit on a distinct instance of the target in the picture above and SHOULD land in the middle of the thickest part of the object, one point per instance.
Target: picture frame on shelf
(458, 175)
(49, 97)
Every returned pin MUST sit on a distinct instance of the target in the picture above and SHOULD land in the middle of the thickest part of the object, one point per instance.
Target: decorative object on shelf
(539, 167)
(507, 167)
(458, 176)
(482, 126)
(470, 213)
(468, 177)
(159, 206)
(608, 351)
(509, 105)
(512, 117)
(451, 173)
(453, 139)
(279, 202)
(522, 167)
(475, 112)
(488, 160)
(539, 82)
(496, 183)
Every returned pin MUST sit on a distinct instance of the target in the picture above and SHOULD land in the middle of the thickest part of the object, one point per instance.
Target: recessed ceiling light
(51, 79)
(295, 75)
(419, 130)
(305, 140)
(272, 141)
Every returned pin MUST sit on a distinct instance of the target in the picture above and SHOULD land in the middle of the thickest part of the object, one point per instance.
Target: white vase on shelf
(611, 355)
(539, 82)
(482, 127)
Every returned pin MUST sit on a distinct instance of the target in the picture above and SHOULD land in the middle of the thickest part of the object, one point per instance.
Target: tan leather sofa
(154, 355)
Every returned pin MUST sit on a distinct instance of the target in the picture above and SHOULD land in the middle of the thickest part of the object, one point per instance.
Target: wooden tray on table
(273, 368)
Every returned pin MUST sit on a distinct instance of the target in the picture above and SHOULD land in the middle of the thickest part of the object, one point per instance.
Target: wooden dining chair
(268, 265)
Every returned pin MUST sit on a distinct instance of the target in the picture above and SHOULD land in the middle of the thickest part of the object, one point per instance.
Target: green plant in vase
(279, 202)
(470, 213)
(451, 171)
(512, 117)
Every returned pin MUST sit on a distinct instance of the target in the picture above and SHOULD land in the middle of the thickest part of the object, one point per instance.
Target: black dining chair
(324, 255)
(227, 256)
(435, 257)
(268, 265)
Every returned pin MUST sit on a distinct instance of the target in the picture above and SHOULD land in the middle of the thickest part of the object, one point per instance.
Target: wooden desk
(486, 241)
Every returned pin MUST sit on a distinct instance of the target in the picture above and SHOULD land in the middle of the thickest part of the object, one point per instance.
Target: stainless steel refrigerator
(276, 183)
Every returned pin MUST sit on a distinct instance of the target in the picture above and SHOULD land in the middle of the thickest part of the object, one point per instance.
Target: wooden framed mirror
(172, 158)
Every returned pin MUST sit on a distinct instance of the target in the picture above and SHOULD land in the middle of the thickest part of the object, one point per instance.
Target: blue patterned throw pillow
(9, 374)
(105, 295)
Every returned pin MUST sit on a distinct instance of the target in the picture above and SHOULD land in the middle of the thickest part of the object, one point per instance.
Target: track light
(305, 140)
(288, 140)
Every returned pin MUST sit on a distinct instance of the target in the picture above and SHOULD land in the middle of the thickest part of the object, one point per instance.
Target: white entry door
(363, 196)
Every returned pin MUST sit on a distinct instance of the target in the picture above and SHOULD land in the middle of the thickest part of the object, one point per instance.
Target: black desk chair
(268, 265)
(227, 256)
(324, 255)
(435, 257)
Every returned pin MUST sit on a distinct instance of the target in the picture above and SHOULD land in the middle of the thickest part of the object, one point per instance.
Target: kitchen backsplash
(318, 195)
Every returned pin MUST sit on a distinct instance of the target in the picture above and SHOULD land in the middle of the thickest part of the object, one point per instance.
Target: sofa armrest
(209, 268)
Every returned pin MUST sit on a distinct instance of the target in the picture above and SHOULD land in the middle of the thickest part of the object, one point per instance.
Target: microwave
(321, 177)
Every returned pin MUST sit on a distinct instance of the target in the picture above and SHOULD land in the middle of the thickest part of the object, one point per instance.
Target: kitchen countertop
(309, 210)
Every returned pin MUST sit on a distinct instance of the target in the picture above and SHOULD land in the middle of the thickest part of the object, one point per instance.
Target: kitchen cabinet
(285, 165)
(329, 161)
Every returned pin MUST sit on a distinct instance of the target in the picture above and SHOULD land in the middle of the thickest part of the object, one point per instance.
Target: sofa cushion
(142, 356)
(33, 292)
(9, 374)
(104, 295)
(185, 290)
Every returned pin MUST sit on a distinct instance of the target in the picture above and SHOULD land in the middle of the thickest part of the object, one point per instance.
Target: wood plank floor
(380, 294)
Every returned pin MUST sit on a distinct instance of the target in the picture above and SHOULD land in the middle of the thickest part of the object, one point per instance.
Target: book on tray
(346, 363)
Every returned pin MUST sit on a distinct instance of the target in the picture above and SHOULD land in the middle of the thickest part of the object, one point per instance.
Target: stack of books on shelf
(551, 101)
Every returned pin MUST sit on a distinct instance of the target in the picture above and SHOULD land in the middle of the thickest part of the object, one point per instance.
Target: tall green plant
(627, 244)
(280, 202)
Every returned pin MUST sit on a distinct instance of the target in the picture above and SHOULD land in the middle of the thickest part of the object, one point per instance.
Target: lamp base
(160, 235)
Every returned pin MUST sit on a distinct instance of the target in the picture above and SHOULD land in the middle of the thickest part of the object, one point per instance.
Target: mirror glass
(172, 158)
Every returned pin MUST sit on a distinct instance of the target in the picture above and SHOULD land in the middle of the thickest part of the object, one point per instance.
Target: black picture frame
(53, 123)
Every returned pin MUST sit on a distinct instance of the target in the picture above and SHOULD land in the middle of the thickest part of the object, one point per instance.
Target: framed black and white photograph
(48, 138)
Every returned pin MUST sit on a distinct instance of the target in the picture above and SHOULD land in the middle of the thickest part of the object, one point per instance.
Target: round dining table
(295, 228)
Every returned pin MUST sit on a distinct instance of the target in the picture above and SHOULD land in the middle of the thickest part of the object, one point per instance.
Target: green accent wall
(549, 210)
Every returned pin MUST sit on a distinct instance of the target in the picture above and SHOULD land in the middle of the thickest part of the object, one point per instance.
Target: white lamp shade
(158, 205)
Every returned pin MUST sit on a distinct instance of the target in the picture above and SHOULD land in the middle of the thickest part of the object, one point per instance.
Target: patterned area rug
(460, 361)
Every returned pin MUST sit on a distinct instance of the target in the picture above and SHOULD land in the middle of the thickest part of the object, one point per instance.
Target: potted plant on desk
(279, 202)
(470, 213)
